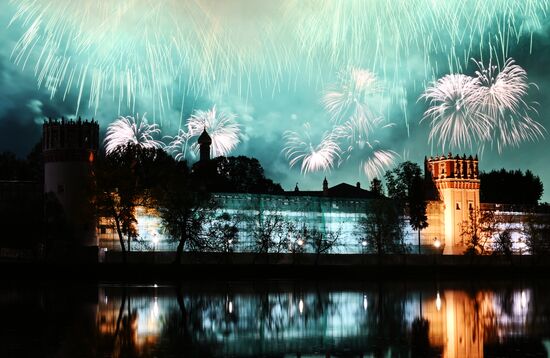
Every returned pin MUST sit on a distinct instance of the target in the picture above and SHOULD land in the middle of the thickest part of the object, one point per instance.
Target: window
(457, 205)
(470, 205)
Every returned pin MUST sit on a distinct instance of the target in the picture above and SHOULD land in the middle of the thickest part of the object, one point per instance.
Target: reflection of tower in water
(456, 323)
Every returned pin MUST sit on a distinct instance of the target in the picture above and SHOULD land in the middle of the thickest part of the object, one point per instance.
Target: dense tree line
(510, 187)
(21, 207)
(235, 175)
(30, 168)
(132, 176)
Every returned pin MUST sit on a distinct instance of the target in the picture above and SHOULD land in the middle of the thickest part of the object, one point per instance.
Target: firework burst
(361, 144)
(132, 48)
(129, 130)
(452, 114)
(221, 127)
(313, 157)
(349, 98)
(488, 108)
(499, 97)
(178, 145)
(378, 162)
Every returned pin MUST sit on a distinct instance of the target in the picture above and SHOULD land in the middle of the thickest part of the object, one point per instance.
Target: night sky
(279, 83)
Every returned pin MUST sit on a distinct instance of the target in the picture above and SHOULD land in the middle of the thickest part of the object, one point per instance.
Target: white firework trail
(122, 49)
(488, 108)
(499, 96)
(299, 148)
(178, 145)
(378, 162)
(350, 97)
(373, 158)
(129, 130)
(453, 117)
(221, 127)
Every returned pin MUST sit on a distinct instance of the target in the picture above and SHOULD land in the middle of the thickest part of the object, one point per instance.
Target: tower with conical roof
(204, 146)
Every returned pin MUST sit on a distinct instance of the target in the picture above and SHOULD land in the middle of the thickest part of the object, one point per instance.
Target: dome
(204, 138)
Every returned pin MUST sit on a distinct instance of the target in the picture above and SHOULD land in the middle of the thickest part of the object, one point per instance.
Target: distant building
(341, 209)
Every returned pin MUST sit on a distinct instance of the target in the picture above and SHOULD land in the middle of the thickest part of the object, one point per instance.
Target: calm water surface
(277, 319)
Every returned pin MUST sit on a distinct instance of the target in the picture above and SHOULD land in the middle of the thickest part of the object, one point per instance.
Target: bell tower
(204, 142)
(457, 182)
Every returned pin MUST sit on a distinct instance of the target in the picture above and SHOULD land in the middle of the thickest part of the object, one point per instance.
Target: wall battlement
(70, 140)
(457, 182)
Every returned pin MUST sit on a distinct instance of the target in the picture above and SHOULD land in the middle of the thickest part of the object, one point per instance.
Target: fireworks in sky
(499, 96)
(362, 145)
(129, 130)
(178, 145)
(221, 126)
(124, 49)
(453, 118)
(299, 148)
(350, 67)
(349, 98)
(468, 112)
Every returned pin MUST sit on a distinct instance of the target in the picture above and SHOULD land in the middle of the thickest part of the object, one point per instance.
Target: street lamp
(437, 243)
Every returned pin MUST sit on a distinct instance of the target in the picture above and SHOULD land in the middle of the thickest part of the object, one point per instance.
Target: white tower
(69, 149)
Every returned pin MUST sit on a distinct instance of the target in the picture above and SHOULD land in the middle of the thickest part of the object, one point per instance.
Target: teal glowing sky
(270, 64)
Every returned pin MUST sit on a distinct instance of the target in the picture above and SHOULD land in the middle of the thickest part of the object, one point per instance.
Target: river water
(277, 319)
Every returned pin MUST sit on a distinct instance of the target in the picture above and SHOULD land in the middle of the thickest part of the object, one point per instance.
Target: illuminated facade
(340, 209)
(457, 182)
(315, 210)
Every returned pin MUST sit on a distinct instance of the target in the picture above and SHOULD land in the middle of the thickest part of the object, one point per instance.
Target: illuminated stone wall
(327, 215)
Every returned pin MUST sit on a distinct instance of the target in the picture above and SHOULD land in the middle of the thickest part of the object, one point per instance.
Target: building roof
(342, 190)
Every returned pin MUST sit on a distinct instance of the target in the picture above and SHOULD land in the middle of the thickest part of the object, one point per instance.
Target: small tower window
(457, 205)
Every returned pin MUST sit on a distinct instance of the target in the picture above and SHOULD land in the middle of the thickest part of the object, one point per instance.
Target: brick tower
(457, 182)
(69, 149)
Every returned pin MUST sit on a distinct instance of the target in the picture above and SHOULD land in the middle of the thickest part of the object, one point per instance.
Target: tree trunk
(120, 238)
(120, 314)
(179, 250)
(419, 241)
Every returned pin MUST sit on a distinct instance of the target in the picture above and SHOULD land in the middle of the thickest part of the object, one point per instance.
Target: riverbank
(213, 266)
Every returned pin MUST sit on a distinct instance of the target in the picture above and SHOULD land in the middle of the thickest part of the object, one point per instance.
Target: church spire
(204, 146)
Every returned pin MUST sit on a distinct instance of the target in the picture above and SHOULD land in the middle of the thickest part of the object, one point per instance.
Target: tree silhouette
(407, 186)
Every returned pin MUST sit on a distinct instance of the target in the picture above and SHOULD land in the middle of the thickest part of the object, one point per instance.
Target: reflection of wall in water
(250, 324)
